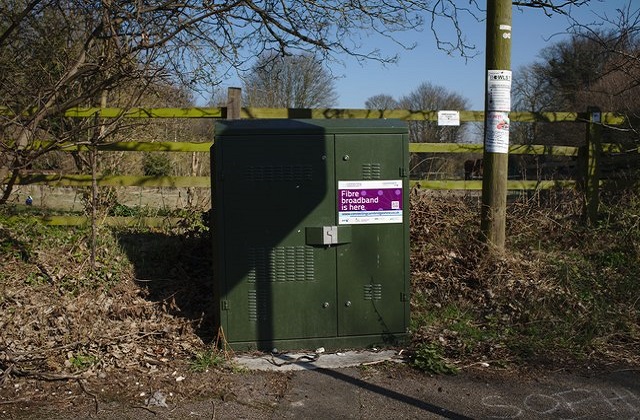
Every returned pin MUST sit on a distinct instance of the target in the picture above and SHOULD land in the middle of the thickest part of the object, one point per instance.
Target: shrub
(156, 164)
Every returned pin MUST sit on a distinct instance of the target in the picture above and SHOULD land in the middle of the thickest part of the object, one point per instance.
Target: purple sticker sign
(369, 202)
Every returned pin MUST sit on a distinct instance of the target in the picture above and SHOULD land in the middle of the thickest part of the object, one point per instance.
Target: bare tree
(431, 97)
(597, 65)
(531, 93)
(615, 79)
(293, 81)
(381, 101)
(56, 54)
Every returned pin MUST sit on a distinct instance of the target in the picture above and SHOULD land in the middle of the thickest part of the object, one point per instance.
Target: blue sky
(532, 30)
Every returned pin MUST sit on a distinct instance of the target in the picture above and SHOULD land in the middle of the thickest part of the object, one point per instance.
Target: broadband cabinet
(311, 232)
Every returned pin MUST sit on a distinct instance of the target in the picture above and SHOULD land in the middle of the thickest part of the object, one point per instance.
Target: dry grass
(560, 294)
(60, 318)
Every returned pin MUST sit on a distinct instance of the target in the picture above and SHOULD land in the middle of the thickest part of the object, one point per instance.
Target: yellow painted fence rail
(63, 180)
(67, 180)
(607, 118)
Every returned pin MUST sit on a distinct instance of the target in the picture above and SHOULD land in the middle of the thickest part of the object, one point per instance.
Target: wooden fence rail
(607, 118)
(67, 180)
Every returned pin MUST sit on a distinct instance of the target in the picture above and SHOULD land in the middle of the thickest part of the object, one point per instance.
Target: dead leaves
(47, 333)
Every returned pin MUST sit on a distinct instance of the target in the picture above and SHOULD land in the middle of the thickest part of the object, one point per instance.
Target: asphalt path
(383, 391)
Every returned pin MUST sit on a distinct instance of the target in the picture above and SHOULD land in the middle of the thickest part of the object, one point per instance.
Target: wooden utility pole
(496, 123)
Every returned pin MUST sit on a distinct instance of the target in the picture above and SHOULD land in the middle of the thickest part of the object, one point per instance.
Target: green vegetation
(207, 359)
(82, 361)
(156, 164)
(428, 357)
(40, 255)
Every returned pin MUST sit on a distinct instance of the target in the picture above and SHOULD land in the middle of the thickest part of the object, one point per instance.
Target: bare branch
(17, 20)
(551, 7)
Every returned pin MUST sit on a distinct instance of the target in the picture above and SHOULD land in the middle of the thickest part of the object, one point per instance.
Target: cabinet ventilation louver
(371, 171)
(281, 264)
(279, 173)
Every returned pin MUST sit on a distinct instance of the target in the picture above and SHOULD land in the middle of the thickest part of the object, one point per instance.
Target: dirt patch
(142, 391)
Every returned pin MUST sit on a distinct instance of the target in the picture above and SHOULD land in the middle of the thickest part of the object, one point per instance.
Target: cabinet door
(372, 268)
(276, 286)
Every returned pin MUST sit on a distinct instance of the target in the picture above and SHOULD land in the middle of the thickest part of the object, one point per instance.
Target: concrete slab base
(316, 360)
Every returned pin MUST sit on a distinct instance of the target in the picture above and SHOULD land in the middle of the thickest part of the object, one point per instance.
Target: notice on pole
(497, 138)
(499, 90)
(448, 118)
(369, 202)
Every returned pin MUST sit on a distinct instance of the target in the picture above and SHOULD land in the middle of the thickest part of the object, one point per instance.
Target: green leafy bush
(156, 164)
(428, 357)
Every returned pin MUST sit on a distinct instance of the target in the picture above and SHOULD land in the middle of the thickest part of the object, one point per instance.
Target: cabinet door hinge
(404, 297)
(224, 305)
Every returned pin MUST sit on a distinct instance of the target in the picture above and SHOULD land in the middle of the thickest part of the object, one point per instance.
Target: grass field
(73, 199)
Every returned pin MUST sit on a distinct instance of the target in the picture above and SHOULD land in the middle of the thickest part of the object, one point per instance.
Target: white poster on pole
(497, 136)
(499, 90)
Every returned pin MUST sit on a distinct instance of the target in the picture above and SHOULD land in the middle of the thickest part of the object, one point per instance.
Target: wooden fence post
(234, 103)
(591, 165)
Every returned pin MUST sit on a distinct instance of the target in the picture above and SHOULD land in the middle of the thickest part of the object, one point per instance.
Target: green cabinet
(311, 222)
